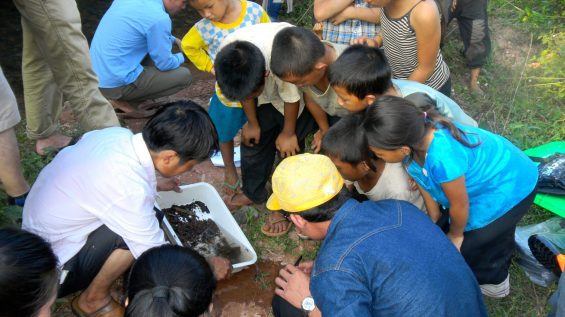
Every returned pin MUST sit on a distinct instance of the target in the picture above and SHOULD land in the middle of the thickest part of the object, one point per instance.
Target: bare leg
(54, 142)
(98, 292)
(473, 82)
(230, 173)
(11, 174)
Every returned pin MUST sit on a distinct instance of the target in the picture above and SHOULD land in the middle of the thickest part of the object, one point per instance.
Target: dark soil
(202, 235)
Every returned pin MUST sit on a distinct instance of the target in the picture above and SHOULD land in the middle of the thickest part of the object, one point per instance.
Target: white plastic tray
(219, 213)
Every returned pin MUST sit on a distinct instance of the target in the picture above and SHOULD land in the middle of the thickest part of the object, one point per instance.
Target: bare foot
(275, 225)
(474, 88)
(237, 200)
(51, 143)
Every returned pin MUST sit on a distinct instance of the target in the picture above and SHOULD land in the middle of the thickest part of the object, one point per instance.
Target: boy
(362, 74)
(275, 120)
(301, 58)
(200, 45)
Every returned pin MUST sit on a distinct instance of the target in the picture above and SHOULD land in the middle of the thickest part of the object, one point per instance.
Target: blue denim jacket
(387, 258)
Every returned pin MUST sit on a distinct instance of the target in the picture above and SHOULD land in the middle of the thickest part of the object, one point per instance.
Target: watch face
(308, 304)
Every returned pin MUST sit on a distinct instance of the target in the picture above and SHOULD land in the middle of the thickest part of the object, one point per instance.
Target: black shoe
(547, 254)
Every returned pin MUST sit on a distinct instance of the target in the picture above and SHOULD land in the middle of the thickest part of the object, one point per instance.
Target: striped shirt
(399, 43)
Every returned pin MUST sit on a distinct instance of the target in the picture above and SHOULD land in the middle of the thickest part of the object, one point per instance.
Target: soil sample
(202, 235)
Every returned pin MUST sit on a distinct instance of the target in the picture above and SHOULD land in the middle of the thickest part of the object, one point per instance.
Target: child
(347, 147)
(343, 21)
(275, 120)
(362, 74)
(200, 44)
(411, 40)
(301, 58)
(486, 182)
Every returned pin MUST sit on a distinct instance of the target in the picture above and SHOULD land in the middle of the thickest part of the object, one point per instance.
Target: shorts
(9, 113)
(228, 120)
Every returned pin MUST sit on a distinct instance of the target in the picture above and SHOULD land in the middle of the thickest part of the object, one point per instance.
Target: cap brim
(273, 203)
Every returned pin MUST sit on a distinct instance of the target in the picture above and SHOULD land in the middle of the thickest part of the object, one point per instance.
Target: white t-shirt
(262, 35)
(393, 184)
(107, 178)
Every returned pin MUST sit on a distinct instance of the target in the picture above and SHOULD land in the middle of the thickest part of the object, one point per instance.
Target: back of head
(240, 70)
(362, 71)
(392, 122)
(28, 273)
(346, 141)
(184, 127)
(295, 51)
(170, 281)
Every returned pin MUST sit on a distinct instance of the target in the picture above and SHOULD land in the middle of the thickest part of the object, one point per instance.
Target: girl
(411, 35)
(486, 182)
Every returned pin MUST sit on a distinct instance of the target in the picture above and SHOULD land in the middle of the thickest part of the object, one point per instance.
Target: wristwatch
(308, 305)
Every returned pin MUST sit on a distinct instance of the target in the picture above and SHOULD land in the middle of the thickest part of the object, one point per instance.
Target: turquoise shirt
(498, 175)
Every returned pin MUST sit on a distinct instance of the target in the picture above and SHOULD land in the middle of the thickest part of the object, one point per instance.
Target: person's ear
(405, 150)
(168, 157)
(365, 166)
(370, 99)
(320, 66)
(298, 221)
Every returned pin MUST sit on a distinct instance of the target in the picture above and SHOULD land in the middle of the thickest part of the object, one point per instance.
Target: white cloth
(107, 178)
(393, 184)
(276, 91)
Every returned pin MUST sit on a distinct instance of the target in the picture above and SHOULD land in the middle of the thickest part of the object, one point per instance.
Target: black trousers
(446, 87)
(472, 18)
(488, 250)
(85, 265)
(257, 161)
(282, 308)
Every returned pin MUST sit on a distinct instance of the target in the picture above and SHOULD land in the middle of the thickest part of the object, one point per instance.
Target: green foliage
(537, 15)
(302, 15)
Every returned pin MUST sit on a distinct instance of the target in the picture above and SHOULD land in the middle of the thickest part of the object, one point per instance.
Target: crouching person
(94, 202)
(383, 258)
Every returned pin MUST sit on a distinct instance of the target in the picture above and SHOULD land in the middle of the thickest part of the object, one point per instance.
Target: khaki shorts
(9, 114)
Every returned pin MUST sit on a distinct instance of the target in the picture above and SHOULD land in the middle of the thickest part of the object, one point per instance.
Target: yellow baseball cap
(304, 181)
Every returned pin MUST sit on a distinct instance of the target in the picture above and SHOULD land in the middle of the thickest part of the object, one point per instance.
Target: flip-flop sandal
(109, 307)
(53, 151)
(234, 188)
(276, 234)
(232, 206)
(135, 114)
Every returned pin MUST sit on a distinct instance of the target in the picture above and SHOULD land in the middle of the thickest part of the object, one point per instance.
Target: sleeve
(265, 17)
(194, 48)
(451, 110)
(134, 220)
(287, 91)
(445, 168)
(159, 44)
(340, 294)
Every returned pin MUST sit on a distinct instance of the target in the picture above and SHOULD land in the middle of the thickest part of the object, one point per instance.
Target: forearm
(372, 15)
(319, 115)
(325, 9)
(290, 117)
(421, 73)
(432, 206)
(250, 110)
(458, 214)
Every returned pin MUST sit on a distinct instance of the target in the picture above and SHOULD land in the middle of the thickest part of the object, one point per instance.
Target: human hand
(412, 185)
(293, 285)
(168, 184)
(178, 42)
(364, 40)
(250, 134)
(220, 266)
(306, 267)
(456, 239)
(287, 144)
(317, 141)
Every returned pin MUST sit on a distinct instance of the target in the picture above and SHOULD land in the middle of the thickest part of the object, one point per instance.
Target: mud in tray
(198, 218)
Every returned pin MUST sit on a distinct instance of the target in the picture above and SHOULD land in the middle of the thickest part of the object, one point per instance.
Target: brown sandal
(271, 223)
(111, 306)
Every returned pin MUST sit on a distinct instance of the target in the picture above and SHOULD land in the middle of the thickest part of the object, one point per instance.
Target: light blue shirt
(128, 31)
(445, 105)
(498, 175)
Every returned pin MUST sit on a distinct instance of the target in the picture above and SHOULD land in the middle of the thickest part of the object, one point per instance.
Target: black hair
(346, 141)
(325, 211)
(28, 273)
(170, 281)
(362, 71)
(240, 70)
(296, 50)
(392, 122)
(184, 127)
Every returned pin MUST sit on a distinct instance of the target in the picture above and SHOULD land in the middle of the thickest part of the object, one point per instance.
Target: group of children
(398, 138)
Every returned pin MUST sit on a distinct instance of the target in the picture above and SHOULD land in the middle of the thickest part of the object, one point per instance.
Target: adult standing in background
(56, 67)
(131, 52)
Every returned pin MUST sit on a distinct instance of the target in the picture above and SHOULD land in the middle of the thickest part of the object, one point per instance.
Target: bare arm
(426, 23)
(325, 9)
(431, 205)
(251, 131)
(287, 142)
(372, 15)
(456, 193)
(321, 118)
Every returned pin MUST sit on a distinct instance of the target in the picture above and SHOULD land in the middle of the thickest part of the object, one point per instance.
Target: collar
(144, 157)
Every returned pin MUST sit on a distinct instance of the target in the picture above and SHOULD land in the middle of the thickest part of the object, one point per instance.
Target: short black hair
(325, 211)
(346, 141)
(184, 127)
(28, 273)
(240, 70)
(295, 51)
(362, 71)
(170, 281)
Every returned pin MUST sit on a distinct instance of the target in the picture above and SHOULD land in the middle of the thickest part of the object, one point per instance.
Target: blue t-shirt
(498, 175)
(128, 31)
(444, 105)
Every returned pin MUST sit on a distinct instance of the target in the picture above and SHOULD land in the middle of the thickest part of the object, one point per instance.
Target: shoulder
(425, 13)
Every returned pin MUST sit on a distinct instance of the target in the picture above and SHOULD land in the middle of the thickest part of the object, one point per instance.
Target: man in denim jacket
(381, 258)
